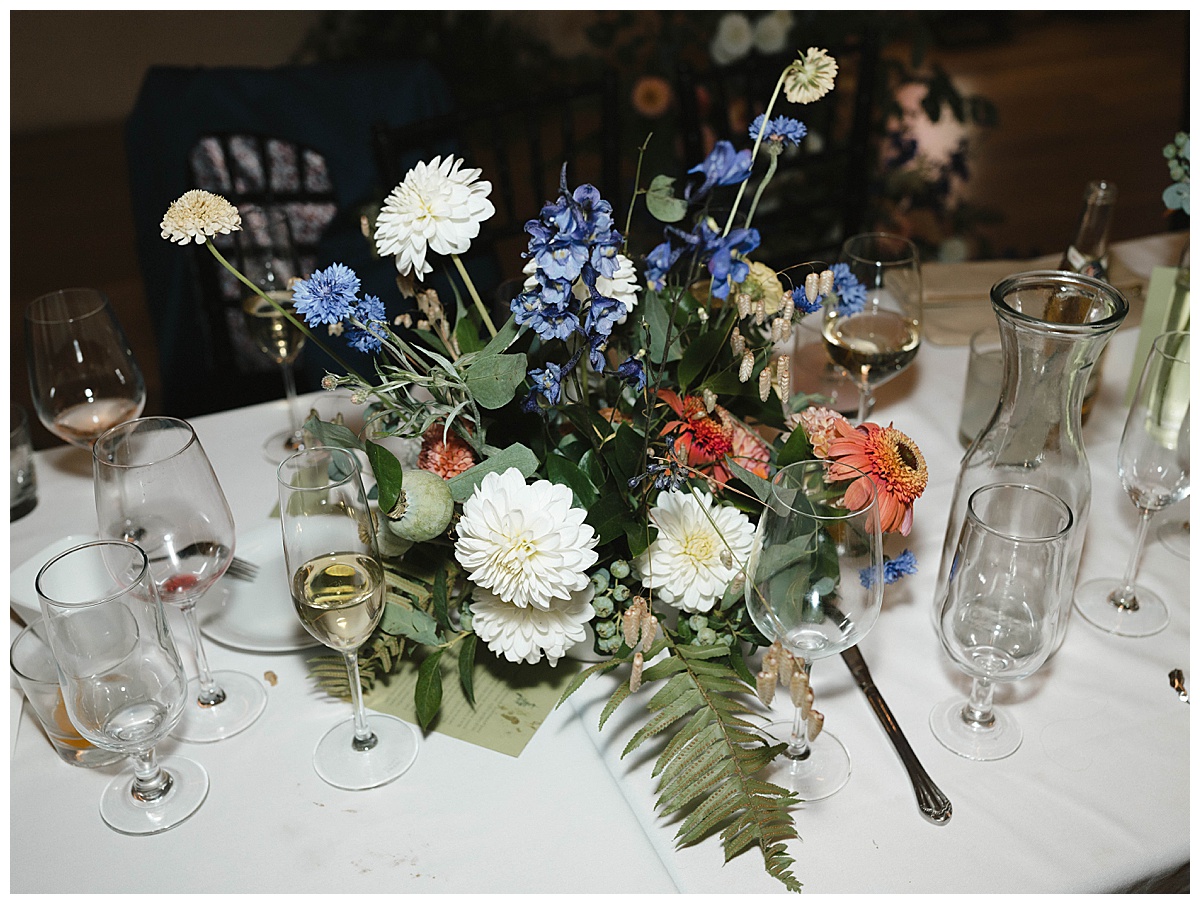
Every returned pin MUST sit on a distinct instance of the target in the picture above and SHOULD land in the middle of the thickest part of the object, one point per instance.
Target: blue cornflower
(328, 296)
(851, 294)
(726, 269)
(784, 129)
(371, 314)
(722, 166)
(804, 304)
(893, 569)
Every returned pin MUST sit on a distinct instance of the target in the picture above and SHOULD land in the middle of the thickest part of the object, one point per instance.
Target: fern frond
(708, 766)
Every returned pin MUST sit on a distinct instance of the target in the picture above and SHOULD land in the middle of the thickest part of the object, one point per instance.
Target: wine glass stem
(289, 386)
(977, 711)
(864, 401)
(798, 748)
(150, 781)
(210, 694)
(364, 738)
(1125, 597)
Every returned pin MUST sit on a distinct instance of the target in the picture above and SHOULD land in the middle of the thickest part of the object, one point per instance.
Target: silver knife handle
(933, 803)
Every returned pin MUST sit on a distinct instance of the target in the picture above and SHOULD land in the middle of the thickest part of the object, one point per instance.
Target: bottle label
(1094, 267)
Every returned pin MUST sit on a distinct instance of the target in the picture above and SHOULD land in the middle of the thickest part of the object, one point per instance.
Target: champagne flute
(1155, 470)
(155, 487)
(816, 586)
(337, 587)
(275, 336)
(122, 679)
(874, 330)
(82, 374)
(998, 617)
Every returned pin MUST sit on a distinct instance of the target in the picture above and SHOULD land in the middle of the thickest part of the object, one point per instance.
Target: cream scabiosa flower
(810, 77)
(525, 544)
(198, 214)
(700, 548)
(525, 633)
(438, 207)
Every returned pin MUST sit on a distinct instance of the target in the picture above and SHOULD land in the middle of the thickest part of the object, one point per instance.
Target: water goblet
(269, 328)
(816, 586)
(155, 487)
(337, 586)
(82, 374)
(122, 679)
(874, 330)
(1154, 464)
(997, 619)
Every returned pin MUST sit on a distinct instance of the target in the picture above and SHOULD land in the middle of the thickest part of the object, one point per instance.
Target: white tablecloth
(1096, 798)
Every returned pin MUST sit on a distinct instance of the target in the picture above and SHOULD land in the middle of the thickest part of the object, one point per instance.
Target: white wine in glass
(878, 338)
(82, 374)
(281, 340)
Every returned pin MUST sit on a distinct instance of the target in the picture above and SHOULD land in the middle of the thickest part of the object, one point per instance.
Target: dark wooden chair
(521, 144)
(820, 192)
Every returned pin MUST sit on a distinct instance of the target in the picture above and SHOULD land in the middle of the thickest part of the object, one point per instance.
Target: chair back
(820, 191)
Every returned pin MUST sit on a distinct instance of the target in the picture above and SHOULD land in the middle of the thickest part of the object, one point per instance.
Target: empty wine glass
(81, 369)
(816, 586)
(1002, 603)
(272, 332)
(874, 329)
(155, 487)
(1155, 470)
(337, 587)
(122, 680)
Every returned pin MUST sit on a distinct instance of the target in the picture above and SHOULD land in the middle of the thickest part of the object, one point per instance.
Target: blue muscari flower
(328, 296)
(893, 569)
(633, 372)
(722, 166)
(371, 314)
(852, 294)
(724, 267)
(786, 130)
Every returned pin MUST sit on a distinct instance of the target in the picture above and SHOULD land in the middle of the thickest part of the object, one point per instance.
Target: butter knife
(933, 803)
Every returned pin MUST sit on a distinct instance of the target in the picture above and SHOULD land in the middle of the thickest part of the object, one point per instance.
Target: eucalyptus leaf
(658, 320)
(408, 621)
(515, 456)
(337, 435)
(661, 200)
(493, 379)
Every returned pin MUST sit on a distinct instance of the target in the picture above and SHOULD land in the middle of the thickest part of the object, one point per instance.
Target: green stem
(754, 152)
(300, 325)
(462, 271)
(771, 167)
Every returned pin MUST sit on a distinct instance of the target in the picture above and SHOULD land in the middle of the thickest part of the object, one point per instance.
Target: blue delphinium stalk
(722, 166)
(328, 296)
(725, 267)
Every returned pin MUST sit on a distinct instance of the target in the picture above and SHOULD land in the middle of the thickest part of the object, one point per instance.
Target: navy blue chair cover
(327, 108)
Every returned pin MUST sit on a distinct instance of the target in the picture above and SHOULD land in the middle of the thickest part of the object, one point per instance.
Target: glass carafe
(1053, 326)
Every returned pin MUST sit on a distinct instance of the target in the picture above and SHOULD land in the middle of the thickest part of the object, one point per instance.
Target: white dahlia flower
(700, 548)
(198, 214)
(438, 207)
(526, 544)
(525, 633)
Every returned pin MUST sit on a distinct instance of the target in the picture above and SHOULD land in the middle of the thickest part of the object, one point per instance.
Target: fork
(239, 569)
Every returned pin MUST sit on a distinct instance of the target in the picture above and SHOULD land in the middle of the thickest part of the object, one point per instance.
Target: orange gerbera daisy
(892, 462)
(704, 439)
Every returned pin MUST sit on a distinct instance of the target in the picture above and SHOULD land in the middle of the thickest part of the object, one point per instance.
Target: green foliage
(707, 769)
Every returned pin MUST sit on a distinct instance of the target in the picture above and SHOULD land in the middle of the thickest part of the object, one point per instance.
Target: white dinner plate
(256, 616)
(22, 581)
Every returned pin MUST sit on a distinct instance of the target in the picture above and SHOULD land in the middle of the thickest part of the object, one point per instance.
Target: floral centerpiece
(591, 470)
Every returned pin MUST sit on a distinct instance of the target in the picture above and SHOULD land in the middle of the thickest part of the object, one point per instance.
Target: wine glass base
(1093, 603)
(245, 700)
(282, 444)
(339, 764)
(129, 816)
(821, 774)
(1176, 536)
(957, 735)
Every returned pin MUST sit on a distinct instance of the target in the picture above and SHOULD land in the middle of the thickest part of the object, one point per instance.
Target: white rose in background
(700, 549)
(733, 39)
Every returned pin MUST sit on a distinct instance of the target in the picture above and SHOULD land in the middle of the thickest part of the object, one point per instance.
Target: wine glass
(155, 487)
(1002, 604)
(81, 370)
(816, 586)
(1155, 470)
(272, 332)
(337, 587)
(122, 679)
(874, 330)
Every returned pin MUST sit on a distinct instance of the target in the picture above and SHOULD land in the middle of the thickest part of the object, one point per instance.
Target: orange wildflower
(892, 462)
(704, 439)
